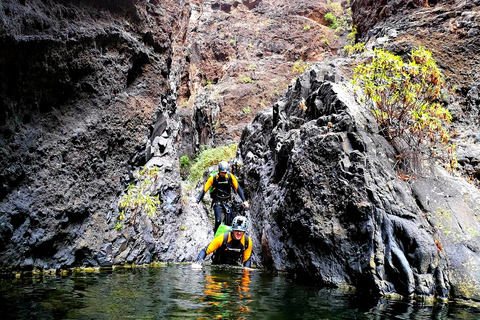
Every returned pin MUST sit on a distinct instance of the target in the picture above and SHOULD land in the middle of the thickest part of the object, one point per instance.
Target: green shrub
(352, 35)
(332, 20)
(138, 197)
(299, 66)
(356, 48)
(325, 40)
(247, 80)
(406, 98)
(184, 162)
(208, 157)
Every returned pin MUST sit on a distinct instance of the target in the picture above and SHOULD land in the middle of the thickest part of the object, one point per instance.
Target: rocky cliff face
(238, 57)
(328, 204)
(96, 91)
(86, 101)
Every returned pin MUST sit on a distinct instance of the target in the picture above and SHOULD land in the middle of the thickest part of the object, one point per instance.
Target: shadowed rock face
(91, 95)
(328, 205)
(86, 100)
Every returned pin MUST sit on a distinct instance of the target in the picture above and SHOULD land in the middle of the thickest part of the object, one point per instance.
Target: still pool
(178, 292)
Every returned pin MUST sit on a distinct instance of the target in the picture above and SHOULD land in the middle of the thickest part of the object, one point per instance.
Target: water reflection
(177, 292)
(226, 296)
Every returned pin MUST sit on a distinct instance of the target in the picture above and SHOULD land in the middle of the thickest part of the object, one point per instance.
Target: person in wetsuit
(232, 248)
(222, 184)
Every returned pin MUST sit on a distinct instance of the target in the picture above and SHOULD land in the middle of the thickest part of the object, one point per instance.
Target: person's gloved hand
(196, 265)
(246, 205)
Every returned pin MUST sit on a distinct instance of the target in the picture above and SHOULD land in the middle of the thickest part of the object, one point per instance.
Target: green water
(178, 292)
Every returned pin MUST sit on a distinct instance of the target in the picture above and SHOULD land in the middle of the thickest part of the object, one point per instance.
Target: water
(178, 292)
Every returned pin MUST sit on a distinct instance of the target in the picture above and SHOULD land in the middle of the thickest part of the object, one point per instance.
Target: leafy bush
(299, 66)
(406, 99)
(210, 156)
(138, 197)
(332, 20)
(247, 80)
(356, 48)
(184, 162)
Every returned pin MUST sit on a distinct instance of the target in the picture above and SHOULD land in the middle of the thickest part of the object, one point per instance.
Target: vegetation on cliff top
(407, 100)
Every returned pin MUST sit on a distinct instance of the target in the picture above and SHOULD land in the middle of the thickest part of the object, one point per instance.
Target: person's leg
(228, 214)
(217, 210)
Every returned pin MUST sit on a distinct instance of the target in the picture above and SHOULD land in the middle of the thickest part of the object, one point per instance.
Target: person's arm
(207, 186)
(247, 254)
(214, 245)
(238, 189)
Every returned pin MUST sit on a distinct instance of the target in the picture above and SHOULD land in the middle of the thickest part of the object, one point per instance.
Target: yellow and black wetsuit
(228, 250)
(221, 196)
(222, 187)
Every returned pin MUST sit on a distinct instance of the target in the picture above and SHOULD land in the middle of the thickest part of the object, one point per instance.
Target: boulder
(329, 206)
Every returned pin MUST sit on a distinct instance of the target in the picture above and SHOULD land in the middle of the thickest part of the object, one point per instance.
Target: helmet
(223, 166)
(240, 223)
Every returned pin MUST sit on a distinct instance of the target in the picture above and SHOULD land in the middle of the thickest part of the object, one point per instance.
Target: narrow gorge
(92, 92)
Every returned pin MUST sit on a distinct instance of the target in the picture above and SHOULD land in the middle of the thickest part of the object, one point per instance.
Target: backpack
(222, 229)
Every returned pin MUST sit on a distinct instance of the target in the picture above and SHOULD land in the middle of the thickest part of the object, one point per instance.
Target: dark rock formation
(328, 205)
(85, 99)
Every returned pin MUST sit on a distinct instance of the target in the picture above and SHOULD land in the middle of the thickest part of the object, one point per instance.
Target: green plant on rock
(137, 198)
(184, 162)
(247, 80)
(335, 8)
(406, 100)
(299, 66)
(325, 40)
(352, 35)
(149, 172)
(332, 20)
(352, 49)
(208, 157)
